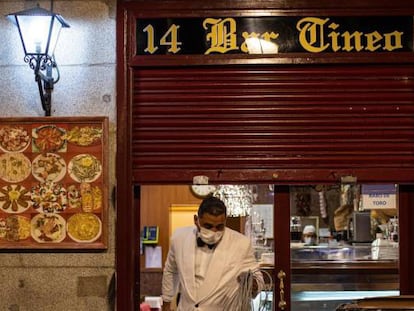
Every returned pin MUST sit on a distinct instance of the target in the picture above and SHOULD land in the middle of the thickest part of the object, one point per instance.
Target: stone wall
(69, 281)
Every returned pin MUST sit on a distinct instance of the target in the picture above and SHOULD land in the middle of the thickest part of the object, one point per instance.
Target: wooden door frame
(128, 209)
(406, 238)
(281, 225)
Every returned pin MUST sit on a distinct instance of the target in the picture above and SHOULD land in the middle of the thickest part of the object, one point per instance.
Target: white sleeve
(251, 264)
(170, 276)
(257, 274)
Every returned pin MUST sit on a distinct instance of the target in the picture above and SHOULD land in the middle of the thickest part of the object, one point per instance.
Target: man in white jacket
(211, 267)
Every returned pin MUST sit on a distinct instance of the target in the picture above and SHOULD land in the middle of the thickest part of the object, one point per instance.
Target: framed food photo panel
(53, 183)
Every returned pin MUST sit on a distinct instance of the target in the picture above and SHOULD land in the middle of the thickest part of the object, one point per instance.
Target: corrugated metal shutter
(279, 117)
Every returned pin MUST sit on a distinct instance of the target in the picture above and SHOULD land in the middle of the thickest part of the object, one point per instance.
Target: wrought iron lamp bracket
(45, 81)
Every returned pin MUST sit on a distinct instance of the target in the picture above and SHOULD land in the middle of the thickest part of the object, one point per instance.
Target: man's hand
(166, 306)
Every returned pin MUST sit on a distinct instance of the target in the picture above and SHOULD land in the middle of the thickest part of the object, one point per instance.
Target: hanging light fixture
(39, 31)
(237, 198)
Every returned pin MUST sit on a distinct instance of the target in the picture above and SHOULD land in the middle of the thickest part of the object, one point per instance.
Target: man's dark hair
(212, 205)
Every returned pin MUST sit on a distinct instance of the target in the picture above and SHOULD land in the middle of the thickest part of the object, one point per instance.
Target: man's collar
(201, 243)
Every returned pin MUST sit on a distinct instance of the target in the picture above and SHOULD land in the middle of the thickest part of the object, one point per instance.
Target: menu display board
(53, 183)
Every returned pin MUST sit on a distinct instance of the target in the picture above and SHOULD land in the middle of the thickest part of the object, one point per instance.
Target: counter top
(335, 266)
(361, 253)
(357, 266)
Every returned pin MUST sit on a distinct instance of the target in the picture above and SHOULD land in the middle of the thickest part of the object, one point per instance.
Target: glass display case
(344, 253)
(324, 278)
(354, 251)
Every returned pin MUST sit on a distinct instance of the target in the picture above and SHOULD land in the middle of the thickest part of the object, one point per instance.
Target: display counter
(343, 267)
(342, 276)
(344, 252)
(324, 277)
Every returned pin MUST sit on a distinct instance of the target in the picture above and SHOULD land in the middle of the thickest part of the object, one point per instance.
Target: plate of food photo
(48, 228)
(49, 138)
(49, 167)
(84, 168)
(14, 138)
(14, 199)
(84, 227)
(84, 135)
(49, 197)
(14, 167)
(15, 228)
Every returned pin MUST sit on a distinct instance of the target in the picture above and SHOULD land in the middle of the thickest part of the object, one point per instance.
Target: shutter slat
(250, 118)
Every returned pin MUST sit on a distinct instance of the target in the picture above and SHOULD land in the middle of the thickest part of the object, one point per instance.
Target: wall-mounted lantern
(39, 31)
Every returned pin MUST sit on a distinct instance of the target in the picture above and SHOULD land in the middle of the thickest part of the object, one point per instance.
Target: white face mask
(209, 236)
(309, 240)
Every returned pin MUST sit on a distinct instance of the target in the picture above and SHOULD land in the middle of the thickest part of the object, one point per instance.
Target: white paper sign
(379, 196)
(153, 257)
(264, 212)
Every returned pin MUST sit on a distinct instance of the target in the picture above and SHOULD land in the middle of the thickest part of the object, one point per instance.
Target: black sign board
(273, 35)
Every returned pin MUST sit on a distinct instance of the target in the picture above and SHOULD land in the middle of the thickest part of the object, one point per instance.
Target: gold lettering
(389, 46)
(311, 35)
(151, 48)
(356, 35)
(172, 33)
(222, 35)
(373, 38)
(315, 37)
(269, 36)
(334, 37)
(173, 43)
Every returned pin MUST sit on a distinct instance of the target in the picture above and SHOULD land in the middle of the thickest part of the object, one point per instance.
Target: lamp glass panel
(35, 32)
(57, 26)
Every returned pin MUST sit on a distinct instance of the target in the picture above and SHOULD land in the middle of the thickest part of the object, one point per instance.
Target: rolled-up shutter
(273, 122)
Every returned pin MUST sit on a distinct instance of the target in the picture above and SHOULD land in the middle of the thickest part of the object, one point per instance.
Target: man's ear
(195, 219)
